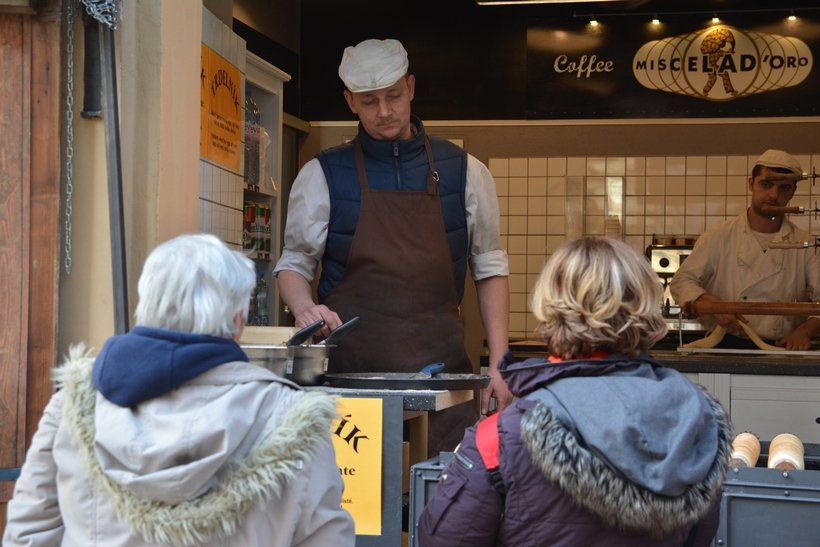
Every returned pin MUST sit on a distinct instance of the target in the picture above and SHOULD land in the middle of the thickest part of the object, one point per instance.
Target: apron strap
(432, 174)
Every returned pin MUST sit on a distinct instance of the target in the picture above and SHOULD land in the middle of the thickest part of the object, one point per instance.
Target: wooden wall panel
(15, 63)
(14, 191)
(44, 225)
(29, 226)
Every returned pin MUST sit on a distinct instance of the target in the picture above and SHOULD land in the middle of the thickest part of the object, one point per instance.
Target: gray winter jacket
(606, 452)
(236, 456)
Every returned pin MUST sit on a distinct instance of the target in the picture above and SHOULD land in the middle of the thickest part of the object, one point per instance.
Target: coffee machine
(666, 254)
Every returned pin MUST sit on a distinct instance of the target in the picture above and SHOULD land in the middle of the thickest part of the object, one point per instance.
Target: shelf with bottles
(262, 173)
(261, 157)
(259, 308)
(256, 228)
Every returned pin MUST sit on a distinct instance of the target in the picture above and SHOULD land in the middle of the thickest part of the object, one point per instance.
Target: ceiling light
(593, 22)
(715, 19)
(656, 21)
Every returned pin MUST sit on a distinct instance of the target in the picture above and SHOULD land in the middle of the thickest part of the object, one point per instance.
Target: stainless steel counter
(776, 364)
(425, 400)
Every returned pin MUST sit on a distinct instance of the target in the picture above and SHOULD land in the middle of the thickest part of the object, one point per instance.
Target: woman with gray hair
(604, 447)
(171, 437)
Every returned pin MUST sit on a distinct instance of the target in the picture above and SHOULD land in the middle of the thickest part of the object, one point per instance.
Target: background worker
(738, 260)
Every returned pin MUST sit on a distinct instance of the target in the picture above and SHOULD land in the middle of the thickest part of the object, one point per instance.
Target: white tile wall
(221, 201)
(546, 200)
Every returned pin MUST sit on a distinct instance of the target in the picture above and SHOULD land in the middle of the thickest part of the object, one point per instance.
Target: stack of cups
(786, 453)
(745, 450)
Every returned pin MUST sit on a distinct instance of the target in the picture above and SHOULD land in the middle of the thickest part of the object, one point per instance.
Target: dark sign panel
(689, 68)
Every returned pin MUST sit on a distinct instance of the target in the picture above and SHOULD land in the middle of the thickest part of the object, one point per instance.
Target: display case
(241, 155)
(262, 176)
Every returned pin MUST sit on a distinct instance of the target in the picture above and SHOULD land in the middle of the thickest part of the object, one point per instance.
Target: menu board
(221, 111)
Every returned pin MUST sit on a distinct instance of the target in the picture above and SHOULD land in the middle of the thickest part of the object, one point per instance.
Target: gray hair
(597, 294)
(194, 283)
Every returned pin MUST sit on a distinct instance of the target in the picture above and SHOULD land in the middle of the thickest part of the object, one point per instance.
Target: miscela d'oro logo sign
(722, 63)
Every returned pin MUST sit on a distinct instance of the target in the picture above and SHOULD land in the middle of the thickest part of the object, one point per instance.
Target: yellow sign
(357, 439)
(221, 111)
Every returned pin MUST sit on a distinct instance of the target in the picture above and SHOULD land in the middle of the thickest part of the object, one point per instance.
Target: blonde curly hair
(597, 294)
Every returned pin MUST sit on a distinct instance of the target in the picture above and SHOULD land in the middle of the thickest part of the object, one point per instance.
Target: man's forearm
(494, 305)
(295, 291)
(811, 327)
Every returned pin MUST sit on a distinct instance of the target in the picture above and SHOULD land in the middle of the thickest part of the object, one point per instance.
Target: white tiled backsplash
(545, 201)
(221, 190)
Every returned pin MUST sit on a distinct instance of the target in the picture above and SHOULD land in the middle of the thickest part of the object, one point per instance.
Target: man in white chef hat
(757, 256)
(396, 218)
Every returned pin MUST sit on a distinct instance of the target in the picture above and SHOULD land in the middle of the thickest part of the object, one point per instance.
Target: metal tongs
(300, 336)
(340, 331)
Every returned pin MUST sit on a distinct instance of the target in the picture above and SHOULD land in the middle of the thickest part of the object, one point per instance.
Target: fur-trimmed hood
(642, 447)
(184, 468)
(589, 480)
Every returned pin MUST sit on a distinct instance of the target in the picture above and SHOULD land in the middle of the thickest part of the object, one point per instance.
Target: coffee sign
(722, 63)
(630, 69)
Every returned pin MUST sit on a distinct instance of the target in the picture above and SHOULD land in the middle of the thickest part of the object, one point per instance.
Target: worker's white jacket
(729, 263)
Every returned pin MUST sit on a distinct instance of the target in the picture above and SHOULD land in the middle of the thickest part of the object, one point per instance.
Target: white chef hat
(779, 159)
(373, 64)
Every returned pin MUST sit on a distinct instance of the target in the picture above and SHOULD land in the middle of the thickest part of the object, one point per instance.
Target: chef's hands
(497, 390)
(800, 339)
(731, 322)
(794, 341)
(315, 312)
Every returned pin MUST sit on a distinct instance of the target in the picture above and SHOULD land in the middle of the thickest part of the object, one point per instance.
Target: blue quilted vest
(392, 165)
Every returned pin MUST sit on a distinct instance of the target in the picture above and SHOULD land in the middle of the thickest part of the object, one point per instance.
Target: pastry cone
(745, 450)
(786, 453)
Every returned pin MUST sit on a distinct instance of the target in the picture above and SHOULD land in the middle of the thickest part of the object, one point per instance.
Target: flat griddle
(407, 380)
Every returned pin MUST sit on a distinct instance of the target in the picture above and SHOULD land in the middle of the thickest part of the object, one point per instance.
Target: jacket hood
(185, 467)
(651, 425)
(652, 446)
(148, 362)
(524, 377)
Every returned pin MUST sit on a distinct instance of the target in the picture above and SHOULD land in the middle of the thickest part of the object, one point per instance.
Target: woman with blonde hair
(604, 446)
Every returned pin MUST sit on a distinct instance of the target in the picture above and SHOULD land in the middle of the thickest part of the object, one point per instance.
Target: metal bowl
(305, 365)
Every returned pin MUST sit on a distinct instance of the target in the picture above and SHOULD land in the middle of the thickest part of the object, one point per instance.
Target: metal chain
(105, 11)
(69, 132)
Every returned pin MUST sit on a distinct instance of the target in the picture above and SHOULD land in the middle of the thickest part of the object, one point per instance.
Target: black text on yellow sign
(221, 111)
(357, 440)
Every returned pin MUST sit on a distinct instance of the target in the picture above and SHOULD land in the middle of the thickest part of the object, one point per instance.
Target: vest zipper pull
(397, 165)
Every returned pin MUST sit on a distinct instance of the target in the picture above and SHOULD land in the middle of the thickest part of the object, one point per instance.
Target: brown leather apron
(399, 281)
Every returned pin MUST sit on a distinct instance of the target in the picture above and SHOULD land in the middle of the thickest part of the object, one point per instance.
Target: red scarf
(595, 356)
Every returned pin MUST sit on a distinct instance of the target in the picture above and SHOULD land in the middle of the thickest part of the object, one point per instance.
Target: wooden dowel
(772, 210)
